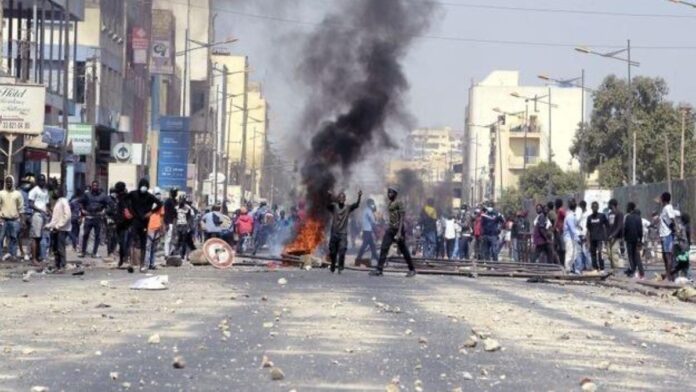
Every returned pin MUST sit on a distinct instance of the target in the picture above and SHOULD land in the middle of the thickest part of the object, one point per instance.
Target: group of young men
(576, 237)
(25, 216)
(395, 232)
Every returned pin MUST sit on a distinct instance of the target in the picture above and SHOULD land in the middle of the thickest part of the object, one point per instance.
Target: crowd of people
(141, 223)
(134, 226)
(565, 233)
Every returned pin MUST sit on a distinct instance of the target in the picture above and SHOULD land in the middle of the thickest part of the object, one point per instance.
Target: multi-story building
(195, 27)
(432, 143)
(512, 127)
(245, 140)
(165, 91)
(257, 139)
(39, 47)
(100, 65)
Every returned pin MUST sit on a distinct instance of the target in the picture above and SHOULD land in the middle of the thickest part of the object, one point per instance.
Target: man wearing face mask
(38, 200)
(94, 204)
(142, 205)
(11, 208)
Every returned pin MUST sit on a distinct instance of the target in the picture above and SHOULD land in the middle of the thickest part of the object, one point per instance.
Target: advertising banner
(54, 137)
(162, 48)
(141, 44)
(172, 159)
(82, 138)
(22, 109)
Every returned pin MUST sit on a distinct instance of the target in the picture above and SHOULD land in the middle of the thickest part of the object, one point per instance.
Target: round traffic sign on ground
(218, 253)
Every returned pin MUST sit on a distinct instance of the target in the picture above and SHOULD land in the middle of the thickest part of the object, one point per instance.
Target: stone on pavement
(491, 345)
(277, 374)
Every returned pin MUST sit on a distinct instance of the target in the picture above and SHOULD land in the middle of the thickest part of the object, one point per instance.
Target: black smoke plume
(352, 66)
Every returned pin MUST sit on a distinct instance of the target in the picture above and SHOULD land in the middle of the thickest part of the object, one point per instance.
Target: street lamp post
(573, 83)
(477, 144)
(682, 2)
(629, 120)
(685, 111)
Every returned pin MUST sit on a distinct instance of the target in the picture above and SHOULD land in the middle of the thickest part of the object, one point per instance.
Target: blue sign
(53, 136)
(174, 144)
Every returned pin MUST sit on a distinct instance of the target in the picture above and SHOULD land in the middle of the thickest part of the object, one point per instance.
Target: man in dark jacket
(120, 223)
(633, 235)
(597, 224)
(340, 214)
(518, 235)
(170, 219)
(93, 204)
(142, 204)
(616, 225)
(491, 223)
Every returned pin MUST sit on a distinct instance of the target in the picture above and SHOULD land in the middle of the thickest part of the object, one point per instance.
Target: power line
(469, 39)
(557, 10)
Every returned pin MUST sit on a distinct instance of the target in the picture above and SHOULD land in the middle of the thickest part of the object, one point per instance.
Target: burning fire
(309, 235)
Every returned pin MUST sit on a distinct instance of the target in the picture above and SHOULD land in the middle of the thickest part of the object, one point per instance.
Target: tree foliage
(510, 201)
(547, 179)
(606, 145)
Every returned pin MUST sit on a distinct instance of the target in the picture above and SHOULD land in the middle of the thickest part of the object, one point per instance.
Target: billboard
(22, 109)
(172, 157)
(82, 138)
(162, 47)
(141, 44)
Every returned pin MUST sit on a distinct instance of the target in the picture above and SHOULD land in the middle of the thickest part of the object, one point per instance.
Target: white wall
(495, 92)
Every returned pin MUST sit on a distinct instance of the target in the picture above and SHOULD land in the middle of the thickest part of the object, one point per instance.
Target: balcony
(518, 133)
(517, 162)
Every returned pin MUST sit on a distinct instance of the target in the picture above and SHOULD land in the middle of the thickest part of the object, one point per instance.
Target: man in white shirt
(60, 226)
(667, 224)
(583, 259)
(38, 201)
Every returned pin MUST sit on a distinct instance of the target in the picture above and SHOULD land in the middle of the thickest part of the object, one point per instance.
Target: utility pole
(245, 121)
(669, 171)
(582, 120)
(216, 137)
(66, 71)
(684, 112)
(500, 154)
(526, 130)
(629, 125)
(550, 128)
(223, 137)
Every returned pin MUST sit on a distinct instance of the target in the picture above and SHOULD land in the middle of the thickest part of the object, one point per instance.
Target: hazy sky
(441, 70)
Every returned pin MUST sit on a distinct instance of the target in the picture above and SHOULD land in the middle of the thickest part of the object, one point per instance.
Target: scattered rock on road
(179, 362)
(39, 388)
(154, 339)
(471, 342)
(491, 345)
(282, 281)
(392, 387)
(266, 362)
(113, 375)
(277, 374)
(587, 385)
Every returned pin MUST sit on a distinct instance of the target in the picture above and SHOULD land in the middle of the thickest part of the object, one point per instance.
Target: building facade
(511, 127)
(39, 48)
